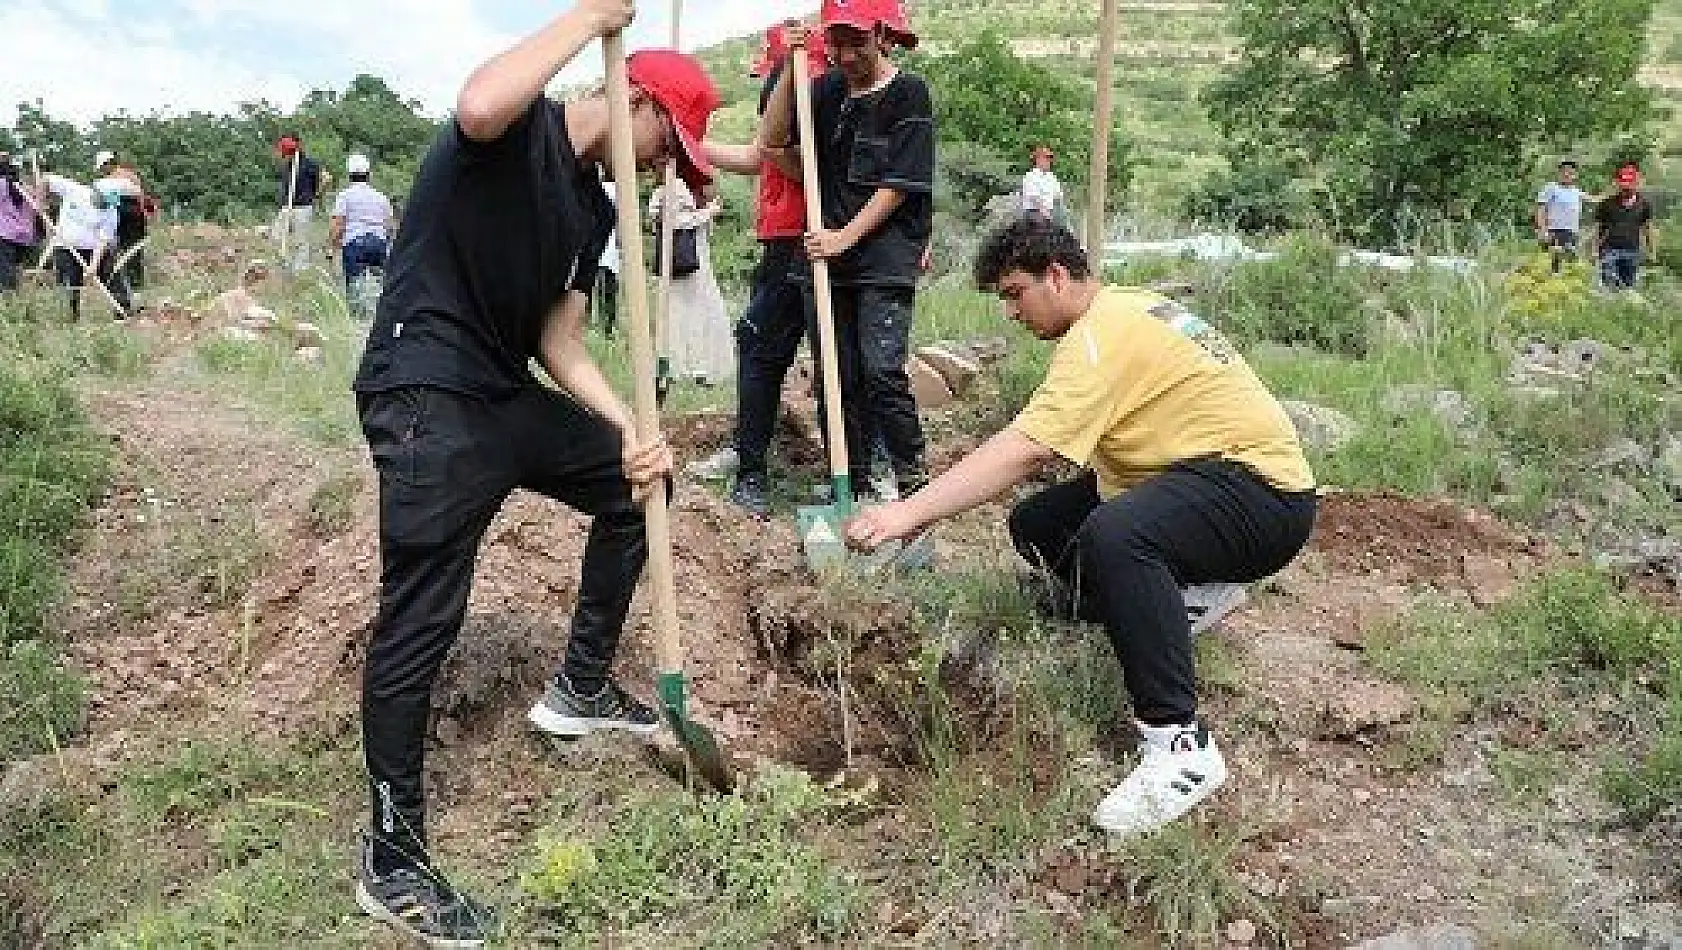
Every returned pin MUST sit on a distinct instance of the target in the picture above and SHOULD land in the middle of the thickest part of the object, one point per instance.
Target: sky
(87, 58)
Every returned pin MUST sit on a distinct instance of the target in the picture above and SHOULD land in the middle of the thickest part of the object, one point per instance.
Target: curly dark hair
(1030, 244)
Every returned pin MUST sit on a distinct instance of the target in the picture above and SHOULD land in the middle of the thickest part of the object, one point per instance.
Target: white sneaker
(1180, 767)
(1208, 604)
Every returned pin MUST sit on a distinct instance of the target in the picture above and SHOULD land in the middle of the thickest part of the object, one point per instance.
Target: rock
(310, 354)
(1449, 405)
(1489, 580)
(1178, 289)
(1618, 493)
(307, 334)
(928, 387)
(953, 362)
(1669, 465)
(1241, 931)
(1320, 427)
(989, 349)
(716, 467)
(1625, 454)
(1583, 356)
(1434, 937)
(240, 333)
(1362, 707)
(1659, 551)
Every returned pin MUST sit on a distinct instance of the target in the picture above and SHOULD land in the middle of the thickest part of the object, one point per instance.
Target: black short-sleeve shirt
(1621, 224)
(494, 234)
(880, 139)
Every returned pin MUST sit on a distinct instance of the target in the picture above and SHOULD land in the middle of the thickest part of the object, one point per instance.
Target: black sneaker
(563, 712)
(749, 494)
(425, 909)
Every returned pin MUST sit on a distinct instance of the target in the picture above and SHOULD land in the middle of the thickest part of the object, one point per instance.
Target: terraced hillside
(1169, 51)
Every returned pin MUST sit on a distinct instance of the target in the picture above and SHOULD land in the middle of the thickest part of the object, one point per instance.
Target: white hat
(104, 156)
(357, 164)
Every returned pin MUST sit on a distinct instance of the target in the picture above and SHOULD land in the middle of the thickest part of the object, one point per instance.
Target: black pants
(446, 463)
(72, 276)
(767, 338)
(1127, 558)
(10, 255)
(873, 341)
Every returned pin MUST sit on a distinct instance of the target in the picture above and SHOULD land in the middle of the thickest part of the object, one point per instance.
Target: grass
(1540, 657)
(667, 868)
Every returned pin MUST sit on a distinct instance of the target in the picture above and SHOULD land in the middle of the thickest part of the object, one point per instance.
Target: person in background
(1041, 193)
(87, 231)
(700, 338)
(1559, 213)
(20, 228)
(362, 223)
(1624, 230)
(296, 198)
(134, 208)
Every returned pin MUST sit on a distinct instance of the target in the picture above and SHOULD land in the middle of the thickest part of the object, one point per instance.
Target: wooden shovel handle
(668, 651)
(1098, 180)
(835, 428)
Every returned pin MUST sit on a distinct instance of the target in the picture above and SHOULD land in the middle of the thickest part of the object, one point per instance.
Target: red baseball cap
(682, 87)
(1628, 175)
(776, 47)
(286, 147)
(866, 15)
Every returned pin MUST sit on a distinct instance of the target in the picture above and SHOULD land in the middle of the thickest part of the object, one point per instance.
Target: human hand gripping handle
(646, 465)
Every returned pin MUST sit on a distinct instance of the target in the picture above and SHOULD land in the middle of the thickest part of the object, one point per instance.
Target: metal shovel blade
(704, 756)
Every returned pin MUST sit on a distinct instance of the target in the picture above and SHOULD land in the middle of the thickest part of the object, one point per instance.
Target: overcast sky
(87, 58)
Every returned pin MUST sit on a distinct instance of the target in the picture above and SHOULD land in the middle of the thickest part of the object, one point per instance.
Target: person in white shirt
(1559, 214)
(86, 234)
(1042, 193)
(362, 222)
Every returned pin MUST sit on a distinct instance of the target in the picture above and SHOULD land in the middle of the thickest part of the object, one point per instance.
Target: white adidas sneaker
(1180, 767)
(1208, 604)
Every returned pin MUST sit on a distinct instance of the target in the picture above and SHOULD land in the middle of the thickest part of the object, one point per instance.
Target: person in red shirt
(769, 332)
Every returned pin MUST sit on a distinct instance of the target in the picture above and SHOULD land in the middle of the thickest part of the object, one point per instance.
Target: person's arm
(776, 123)
(735, 159)
(1007, 459)
(1541, 217)
(501, 90)
(566, 359)
(336, 230)
(824, 242)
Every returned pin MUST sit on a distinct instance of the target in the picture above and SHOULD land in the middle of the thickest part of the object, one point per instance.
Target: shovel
(822, 527)
(1098, 179)
(705, 757)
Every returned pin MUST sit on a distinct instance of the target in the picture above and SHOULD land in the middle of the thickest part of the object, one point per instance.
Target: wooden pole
(1098, 181)
(668, 219)
(667, 652)
(88, 273)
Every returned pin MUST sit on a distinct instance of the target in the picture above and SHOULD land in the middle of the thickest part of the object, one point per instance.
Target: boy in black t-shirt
(491, 270)
(1623, 224)
(875, 146)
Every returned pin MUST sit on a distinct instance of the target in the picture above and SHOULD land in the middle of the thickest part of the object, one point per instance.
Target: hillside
(1168, 52)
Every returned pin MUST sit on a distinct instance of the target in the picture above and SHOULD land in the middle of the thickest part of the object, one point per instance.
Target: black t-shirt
(881, 139)
(494, 234)
(1620, 225)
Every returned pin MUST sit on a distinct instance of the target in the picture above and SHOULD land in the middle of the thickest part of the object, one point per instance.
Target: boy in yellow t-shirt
(1193, 476)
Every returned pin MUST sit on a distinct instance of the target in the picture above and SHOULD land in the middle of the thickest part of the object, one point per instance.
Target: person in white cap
(362, 222)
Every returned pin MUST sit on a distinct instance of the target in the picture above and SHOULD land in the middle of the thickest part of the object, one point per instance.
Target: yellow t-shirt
(1139, 383)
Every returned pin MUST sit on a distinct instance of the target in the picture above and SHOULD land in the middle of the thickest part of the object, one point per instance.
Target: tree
(1395, 108)
(992, 107)
(57, 143)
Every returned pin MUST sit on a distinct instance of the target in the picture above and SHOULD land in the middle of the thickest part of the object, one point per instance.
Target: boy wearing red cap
(491, 270)
(298, 190)
(1623, 228)
(874, 125)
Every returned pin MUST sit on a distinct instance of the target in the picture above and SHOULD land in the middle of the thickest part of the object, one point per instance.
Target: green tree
(992, 107)
(57, 143)
(1395, 108)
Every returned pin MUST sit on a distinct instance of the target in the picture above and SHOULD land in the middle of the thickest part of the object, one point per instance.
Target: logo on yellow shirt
(1196, 329)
